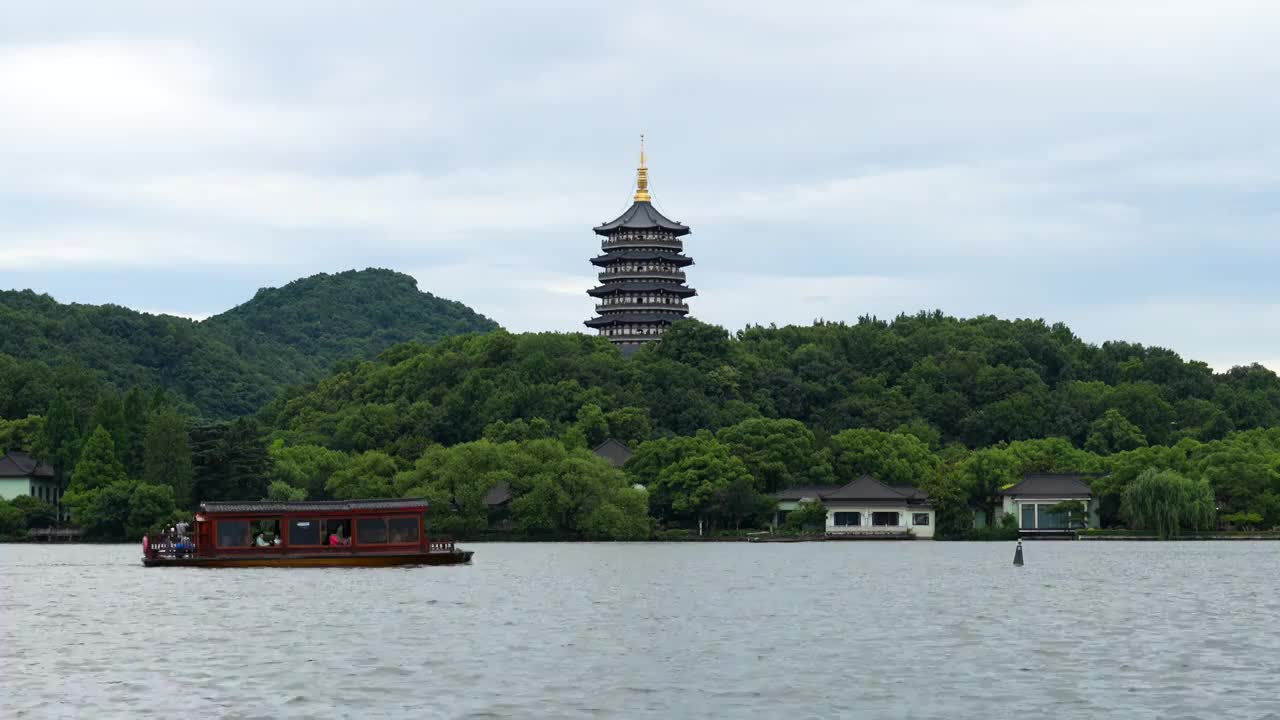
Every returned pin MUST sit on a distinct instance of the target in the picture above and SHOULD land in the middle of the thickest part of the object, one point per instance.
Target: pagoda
(642, 289)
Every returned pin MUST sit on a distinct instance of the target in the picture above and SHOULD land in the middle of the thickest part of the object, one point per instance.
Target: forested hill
(226, 366)
(976, 382)
(296, 332)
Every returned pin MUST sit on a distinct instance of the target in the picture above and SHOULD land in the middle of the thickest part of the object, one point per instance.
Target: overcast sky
(1112, 164)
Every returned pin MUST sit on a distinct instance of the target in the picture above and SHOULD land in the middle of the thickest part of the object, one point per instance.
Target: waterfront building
(865, 506)
(21, 474)
(1031, 499)
(642, 288)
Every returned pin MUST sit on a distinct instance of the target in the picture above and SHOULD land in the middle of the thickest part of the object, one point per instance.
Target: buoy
(1017, 555)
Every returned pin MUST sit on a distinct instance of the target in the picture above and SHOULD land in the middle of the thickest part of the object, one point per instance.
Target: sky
(1109, 164)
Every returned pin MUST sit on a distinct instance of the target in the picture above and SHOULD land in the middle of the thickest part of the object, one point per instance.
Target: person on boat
(275, 540)
(260, 540)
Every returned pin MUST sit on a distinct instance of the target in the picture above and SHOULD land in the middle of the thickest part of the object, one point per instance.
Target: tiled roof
(317, 506)
(1061, 485)
(17, 464)
(615, 451)
(631, 318)
(801, 492)
(642, 216)
(668, 255)
(498, 494)
(672, 287)
(864, 489)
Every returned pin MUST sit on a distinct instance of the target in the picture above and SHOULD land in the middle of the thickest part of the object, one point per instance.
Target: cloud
(1089, 161)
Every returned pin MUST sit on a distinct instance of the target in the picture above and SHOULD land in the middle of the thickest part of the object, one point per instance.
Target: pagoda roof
(640, 286)
(642, 215)
(672, 257)
(633, 317)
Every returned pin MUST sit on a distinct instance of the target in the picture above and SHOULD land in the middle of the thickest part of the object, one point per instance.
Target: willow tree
(1166, 503)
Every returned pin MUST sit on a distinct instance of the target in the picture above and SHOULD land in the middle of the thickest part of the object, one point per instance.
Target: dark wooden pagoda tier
(642, 287)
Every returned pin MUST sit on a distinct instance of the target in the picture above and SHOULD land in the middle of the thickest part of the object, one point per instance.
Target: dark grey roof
(912, 493)
(1059, 485)
(801, 492)
(615, 451)
(642, 216)
(669, 256)
(498, 494)
(316, 506)
(865, 488)
(641, 286)
(17, 464)
(612, 319)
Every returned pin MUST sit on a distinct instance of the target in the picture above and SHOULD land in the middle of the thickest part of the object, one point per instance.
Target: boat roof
(239, 507)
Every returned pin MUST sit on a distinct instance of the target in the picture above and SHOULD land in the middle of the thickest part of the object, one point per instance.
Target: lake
(855, 629)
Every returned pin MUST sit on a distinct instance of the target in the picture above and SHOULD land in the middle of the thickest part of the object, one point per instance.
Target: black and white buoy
(1017, 555)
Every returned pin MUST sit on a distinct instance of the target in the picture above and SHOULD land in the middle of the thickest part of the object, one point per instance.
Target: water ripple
(885, 630)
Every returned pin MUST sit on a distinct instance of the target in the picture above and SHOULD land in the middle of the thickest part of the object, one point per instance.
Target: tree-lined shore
(957, 407)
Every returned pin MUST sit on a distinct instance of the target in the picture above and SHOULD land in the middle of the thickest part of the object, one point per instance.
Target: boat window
(305, 532)
(403, 529)
(920, 518)
(234, 533)
(372, 530)
(337, 531)
(266, 533)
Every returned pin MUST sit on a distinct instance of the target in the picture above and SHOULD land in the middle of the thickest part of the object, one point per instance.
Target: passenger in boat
(275, 540)
(260, 540)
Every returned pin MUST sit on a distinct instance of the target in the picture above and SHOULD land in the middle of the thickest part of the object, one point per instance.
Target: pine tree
(59, 442)
(136, 418)
(98, 466)
(167, 455)
(109, 414)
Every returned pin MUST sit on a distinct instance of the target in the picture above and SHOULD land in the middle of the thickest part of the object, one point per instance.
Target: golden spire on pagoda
(642, 177)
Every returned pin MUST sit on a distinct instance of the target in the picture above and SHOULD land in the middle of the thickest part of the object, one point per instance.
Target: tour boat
(350, 533)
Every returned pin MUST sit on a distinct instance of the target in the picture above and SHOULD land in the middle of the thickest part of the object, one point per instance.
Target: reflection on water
(868, 630)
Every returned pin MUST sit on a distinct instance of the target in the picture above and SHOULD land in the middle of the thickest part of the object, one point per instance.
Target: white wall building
(867, 507)
(1030, 500)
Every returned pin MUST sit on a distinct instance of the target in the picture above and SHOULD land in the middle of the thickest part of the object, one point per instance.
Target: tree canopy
(223, 367)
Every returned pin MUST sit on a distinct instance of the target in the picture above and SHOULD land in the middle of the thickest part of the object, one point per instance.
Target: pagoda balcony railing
(632, 307)
(612, 243)
(633, 337)
(636, 274)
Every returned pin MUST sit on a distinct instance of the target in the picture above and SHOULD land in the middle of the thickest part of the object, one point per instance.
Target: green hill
(296, 332)
(975, 382)
(225, 366)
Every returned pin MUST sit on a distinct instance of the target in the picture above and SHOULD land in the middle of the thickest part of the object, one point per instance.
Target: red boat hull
(458, 557)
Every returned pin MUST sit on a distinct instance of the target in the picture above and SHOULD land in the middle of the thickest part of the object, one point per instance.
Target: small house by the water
(21, 474)
(1031, 501)
(865, 507)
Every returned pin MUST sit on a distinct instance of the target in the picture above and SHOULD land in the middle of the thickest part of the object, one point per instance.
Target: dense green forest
(226, 366)
(958, 407)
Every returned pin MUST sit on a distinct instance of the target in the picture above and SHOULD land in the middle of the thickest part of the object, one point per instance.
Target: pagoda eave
(644, 287)
(674, 258)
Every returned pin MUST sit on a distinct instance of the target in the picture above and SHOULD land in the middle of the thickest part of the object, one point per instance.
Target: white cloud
(1071, 159)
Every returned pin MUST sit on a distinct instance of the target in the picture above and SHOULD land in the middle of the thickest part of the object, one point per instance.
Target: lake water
(861, 629)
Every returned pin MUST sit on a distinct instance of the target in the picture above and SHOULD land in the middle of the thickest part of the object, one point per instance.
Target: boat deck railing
(173, 546)
(170, 546)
